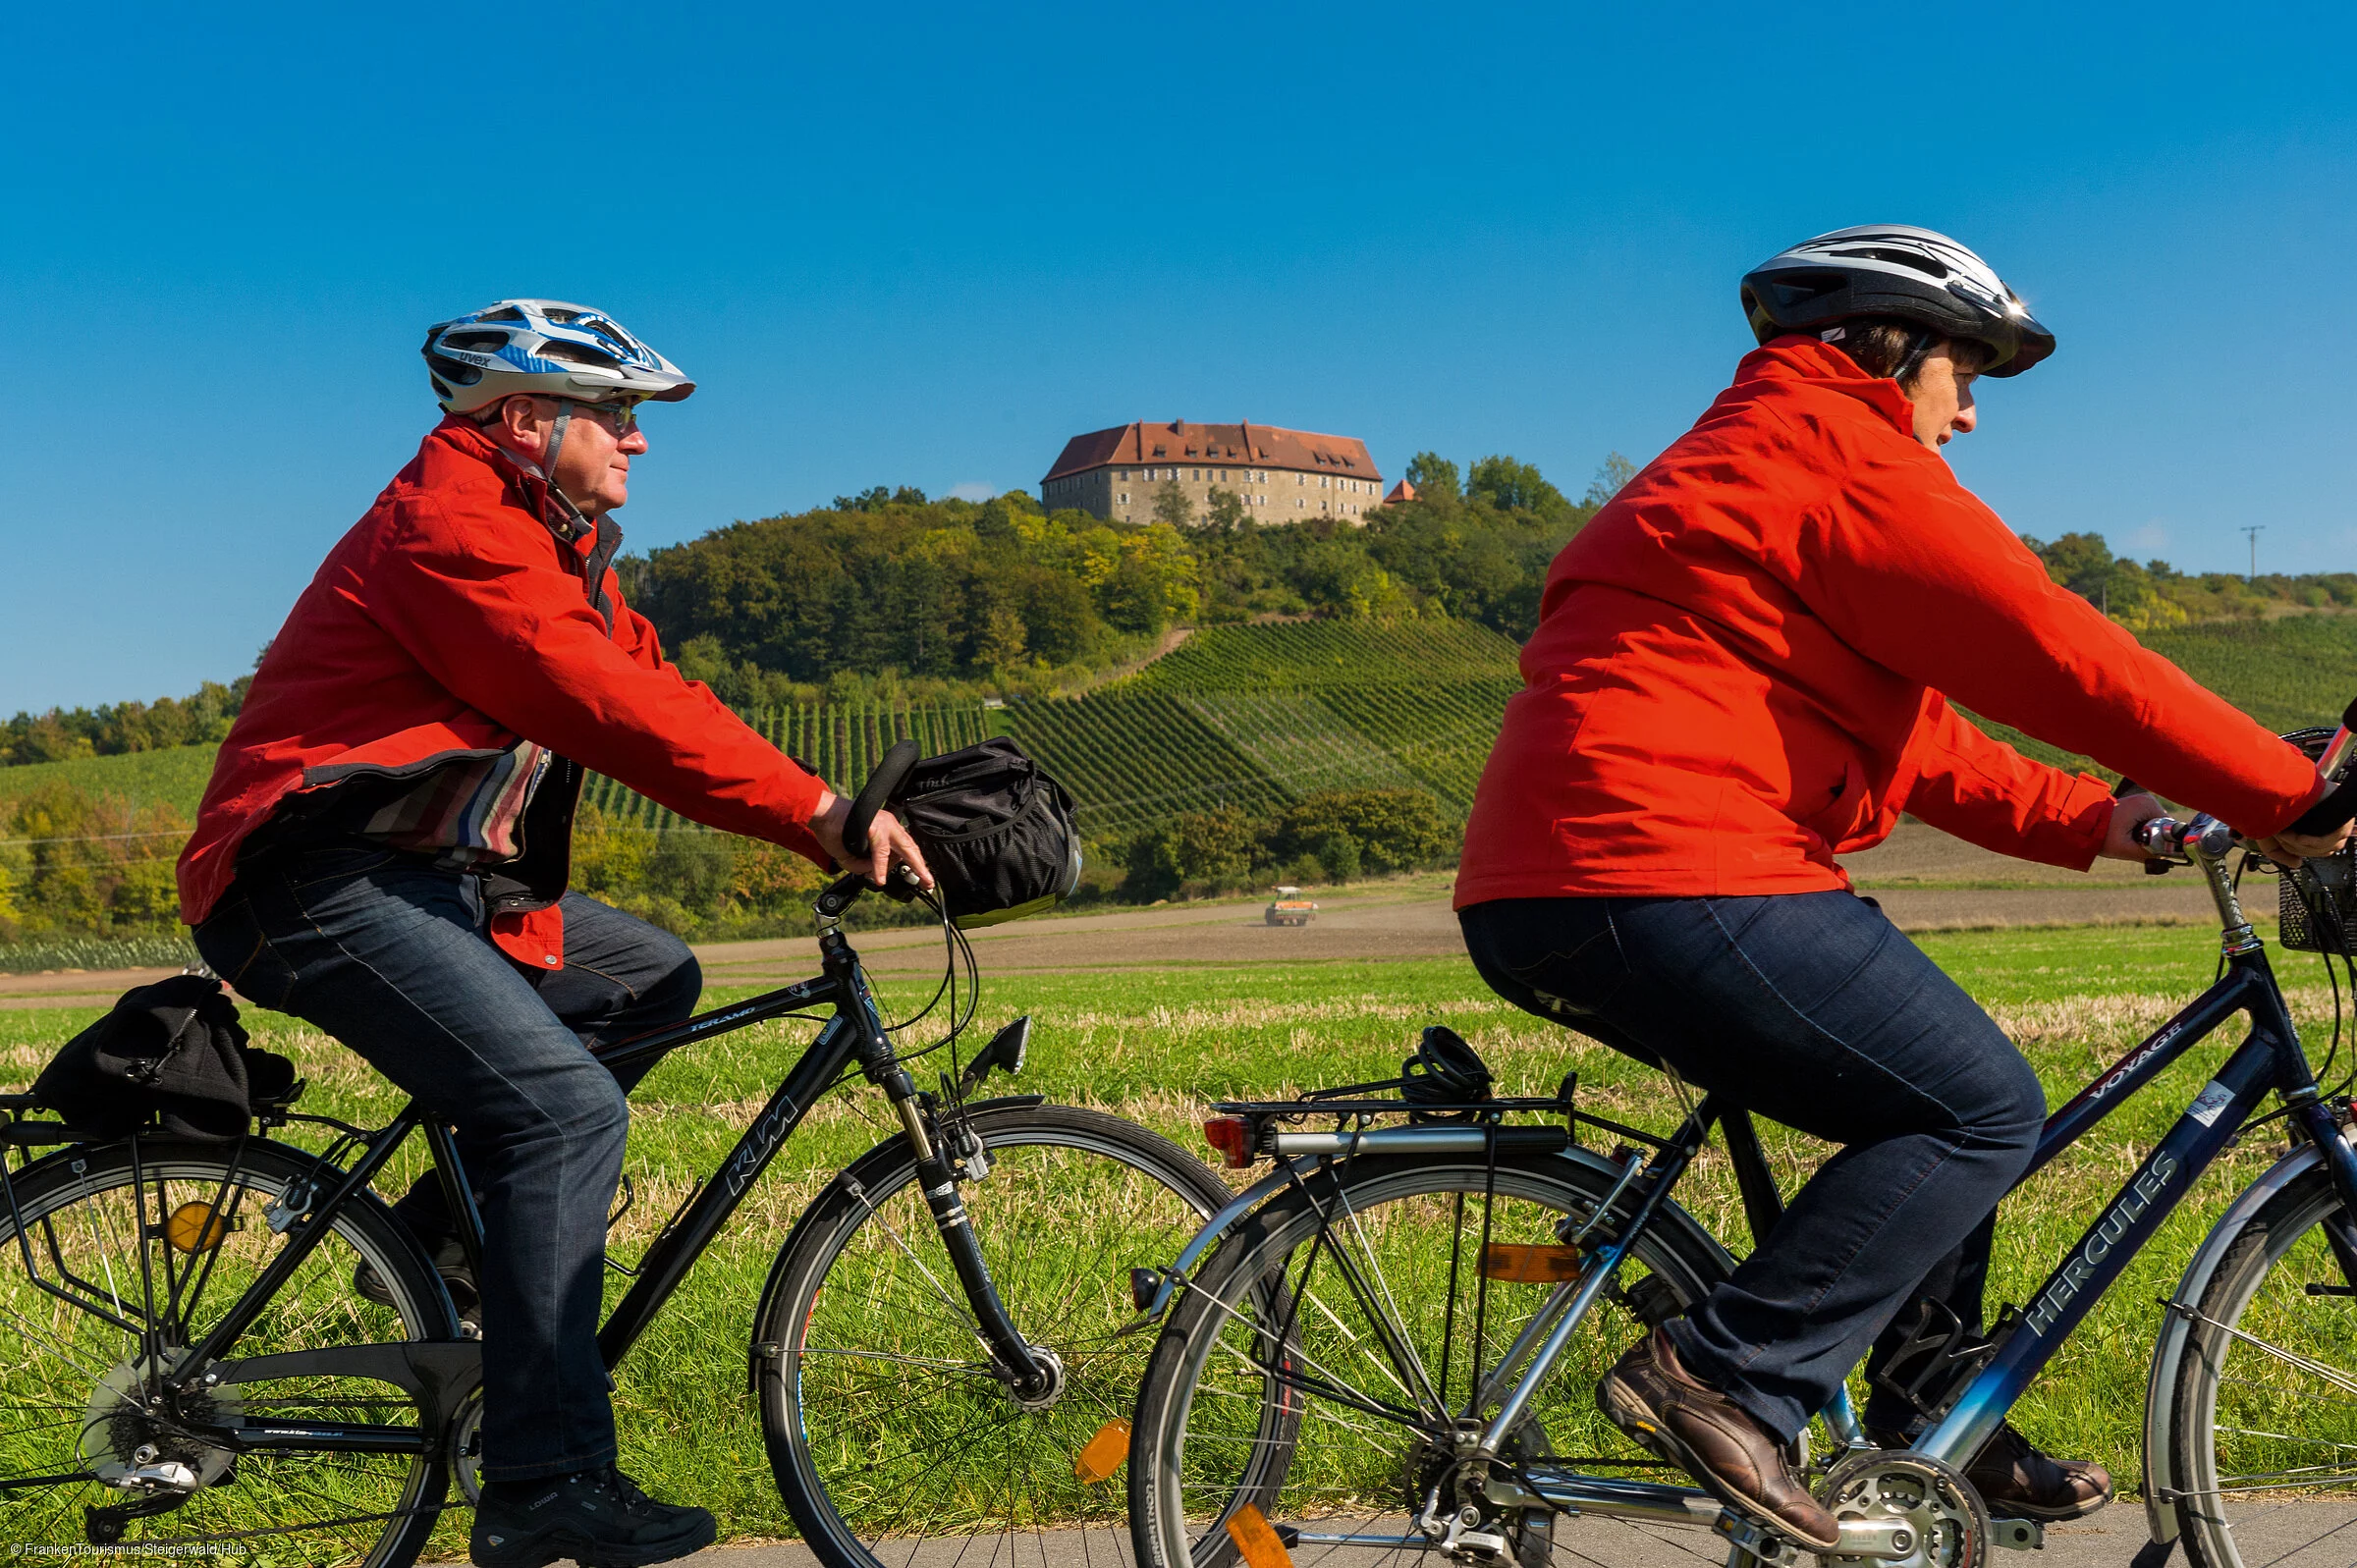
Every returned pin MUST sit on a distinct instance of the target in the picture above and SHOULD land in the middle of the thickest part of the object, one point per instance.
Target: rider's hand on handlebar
(2290, 848)
(2129, 813)
(889, 844)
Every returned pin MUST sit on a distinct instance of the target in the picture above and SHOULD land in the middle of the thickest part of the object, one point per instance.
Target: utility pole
(2254, 531)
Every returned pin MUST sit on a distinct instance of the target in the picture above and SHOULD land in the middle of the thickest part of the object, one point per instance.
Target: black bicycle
(1391, 1344)
(194, 1369)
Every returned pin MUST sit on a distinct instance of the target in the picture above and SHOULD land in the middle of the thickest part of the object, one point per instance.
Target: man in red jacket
(1743, 669)
(383, 851)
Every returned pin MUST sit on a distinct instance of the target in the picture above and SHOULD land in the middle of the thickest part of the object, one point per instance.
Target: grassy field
(176, 776)
(1154, 1044)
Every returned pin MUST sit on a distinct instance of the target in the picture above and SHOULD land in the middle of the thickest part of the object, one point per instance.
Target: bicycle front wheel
(1348, 1335)
(2265, 1430)
(115, 1262)
(887, 1426)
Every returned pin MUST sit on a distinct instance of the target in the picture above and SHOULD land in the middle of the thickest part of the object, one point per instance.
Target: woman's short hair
(1886, 345)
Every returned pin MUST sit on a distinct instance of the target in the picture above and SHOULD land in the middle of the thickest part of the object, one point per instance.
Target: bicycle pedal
(2017, 1534)
(1763, 1548)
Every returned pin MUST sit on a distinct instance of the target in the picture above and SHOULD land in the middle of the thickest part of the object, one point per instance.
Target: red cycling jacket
(452, 622)
(1744, 665)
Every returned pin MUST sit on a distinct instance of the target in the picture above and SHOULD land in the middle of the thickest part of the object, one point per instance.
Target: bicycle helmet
(546, 348)
(1891, 269)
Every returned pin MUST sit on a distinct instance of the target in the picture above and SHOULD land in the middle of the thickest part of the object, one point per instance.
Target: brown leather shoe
(2017, 1480)
(1663, 1408)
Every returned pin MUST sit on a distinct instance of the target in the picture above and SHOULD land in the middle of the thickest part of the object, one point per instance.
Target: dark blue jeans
(1811, 1010)
(391, 958)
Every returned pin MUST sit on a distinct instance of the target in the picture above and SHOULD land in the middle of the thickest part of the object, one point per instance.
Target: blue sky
(923, 244)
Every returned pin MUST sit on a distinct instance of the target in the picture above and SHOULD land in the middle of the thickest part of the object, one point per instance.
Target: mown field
(1154, 1044)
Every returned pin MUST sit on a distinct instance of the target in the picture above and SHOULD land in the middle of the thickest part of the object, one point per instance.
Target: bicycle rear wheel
(887, 1428)
(2264, 1445)
(114, 1263)
(1320, 1368)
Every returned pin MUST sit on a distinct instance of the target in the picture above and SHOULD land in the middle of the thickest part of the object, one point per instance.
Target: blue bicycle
(1389, 1344)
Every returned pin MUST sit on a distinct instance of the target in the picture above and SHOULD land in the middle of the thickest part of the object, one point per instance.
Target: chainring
(1934, 1516)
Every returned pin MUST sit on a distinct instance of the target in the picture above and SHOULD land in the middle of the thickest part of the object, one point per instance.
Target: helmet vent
(574, 354)
(504, 313)
(482, 341)
(1929, 266)
(442, 368)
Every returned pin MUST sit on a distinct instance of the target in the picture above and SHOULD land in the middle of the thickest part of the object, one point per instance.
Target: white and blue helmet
(547, 349)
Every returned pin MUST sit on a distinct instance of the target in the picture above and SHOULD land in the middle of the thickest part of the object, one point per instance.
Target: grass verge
(1154, 1044)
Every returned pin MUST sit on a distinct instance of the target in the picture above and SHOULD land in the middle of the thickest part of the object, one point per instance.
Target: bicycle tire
(69, 1404)
(1275, 1413)
(861, 1358)
(2265, 1451)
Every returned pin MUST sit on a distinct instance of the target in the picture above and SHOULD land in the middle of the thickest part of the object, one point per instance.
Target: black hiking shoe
(598, 1518)
(450, 1262)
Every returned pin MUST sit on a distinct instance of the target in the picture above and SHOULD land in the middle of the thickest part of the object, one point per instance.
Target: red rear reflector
(1232, 1137)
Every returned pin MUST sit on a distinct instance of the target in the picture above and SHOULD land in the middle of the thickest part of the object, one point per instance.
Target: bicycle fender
(1173, 1279)
(2160, 1398)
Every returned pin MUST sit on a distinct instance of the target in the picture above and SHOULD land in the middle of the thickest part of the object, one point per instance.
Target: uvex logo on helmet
(545, 348)
(1893, 270)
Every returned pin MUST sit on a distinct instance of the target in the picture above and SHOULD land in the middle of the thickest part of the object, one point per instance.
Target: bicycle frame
(2269, 1061)
(440, 1373)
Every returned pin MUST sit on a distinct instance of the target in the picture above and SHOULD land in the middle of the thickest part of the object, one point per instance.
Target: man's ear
(518, 427)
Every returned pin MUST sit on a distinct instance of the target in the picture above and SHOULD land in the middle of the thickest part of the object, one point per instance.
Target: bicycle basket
(996, 830)
(2319, 901)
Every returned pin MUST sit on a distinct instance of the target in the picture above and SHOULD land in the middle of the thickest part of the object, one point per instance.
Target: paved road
(2299, 1536)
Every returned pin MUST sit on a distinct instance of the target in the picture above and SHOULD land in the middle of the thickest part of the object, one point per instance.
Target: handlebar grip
(889, 775)
(2334, 810)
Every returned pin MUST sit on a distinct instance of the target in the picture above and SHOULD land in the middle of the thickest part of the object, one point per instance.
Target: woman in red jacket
(1743, 669)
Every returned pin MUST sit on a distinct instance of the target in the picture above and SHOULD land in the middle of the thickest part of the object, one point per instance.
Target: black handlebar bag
(173, 1052)
(996, 830)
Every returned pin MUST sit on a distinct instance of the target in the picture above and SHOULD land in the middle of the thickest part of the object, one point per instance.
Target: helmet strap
(1924, 340)
(556, 441)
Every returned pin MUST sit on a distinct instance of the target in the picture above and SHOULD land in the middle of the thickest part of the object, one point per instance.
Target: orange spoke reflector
(1106, 1452)
(1250, 1530)
(194, 1227)
(1530, 1265)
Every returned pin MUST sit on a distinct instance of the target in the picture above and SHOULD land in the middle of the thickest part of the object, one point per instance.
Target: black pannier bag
(2329, 881)
(996, 831)
(174, 1052)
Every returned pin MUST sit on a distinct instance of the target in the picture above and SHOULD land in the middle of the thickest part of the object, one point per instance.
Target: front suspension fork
(1008, 1347)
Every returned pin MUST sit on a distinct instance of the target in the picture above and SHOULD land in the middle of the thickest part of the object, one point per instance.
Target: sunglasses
(618, 418)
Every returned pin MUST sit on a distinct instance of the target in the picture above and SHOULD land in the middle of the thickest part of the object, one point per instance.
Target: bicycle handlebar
(2166, 837)
(882, 784)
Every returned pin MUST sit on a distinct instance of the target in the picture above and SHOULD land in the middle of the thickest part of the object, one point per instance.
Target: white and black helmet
(1891, 269)
(546, 348)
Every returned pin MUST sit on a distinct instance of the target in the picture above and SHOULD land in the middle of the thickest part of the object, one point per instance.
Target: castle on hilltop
(1281, 476)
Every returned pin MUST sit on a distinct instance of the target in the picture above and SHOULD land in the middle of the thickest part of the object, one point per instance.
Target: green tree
(1434, 478)
(1513, 486)
(1000, 643)
(1615, 472)
(1171, 506)
(1227, 514)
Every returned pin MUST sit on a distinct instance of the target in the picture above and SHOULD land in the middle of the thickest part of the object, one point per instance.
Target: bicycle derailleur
(146, 1444)
(1473, 1508)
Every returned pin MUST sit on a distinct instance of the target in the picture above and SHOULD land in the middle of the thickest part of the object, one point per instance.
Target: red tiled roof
(1178, 441)
(1403, 490)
